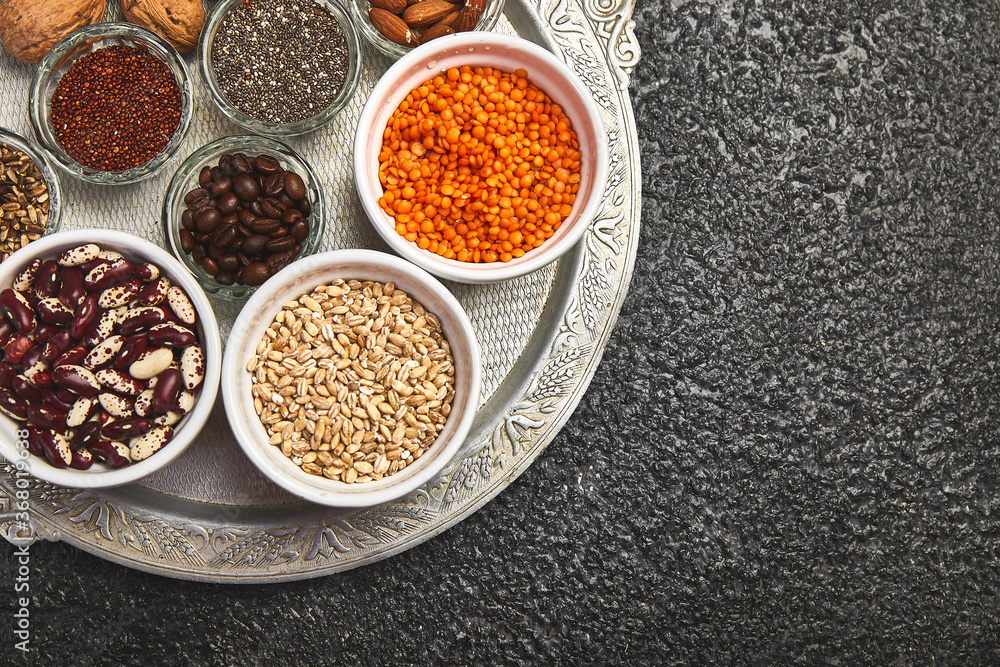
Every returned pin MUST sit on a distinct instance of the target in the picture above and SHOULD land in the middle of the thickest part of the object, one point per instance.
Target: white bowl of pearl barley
(353, 379)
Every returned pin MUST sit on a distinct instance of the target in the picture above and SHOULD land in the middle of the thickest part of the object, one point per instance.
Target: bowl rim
(213, 21)
(193, 422)
(174, 194)
(252, 321)
(50, 173)
(388, 93)
(121, 30)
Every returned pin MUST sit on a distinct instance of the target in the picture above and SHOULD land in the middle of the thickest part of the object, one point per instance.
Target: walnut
(177, 21)
(29, 28)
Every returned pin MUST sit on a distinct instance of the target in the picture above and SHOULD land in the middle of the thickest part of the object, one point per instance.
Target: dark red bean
(23, 389)
(72, 357)
(44, 417)
(54, 311)
(141, 319)
(82, 459)
(86, 316)
(45, 332)
(73, 290)
(125, 429)
(52, 400)
(166, 394)
(35, 440)
(12, 405)
(16, 348)
(7, 374)
(108, 453)
(170, 335)
(47, 283)
(56, 449)
(77, 379)
(131, 349)
(18, 310)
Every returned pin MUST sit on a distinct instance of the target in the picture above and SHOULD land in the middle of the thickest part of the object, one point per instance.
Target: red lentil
(479, 165)
(116, 108)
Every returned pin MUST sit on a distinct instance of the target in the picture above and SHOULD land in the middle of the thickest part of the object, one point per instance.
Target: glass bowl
(44, 164)
(301, 278)
(256, 125)
(62, 56)
(359, 9)
(506, 53)
(135, 249)
(185, 179)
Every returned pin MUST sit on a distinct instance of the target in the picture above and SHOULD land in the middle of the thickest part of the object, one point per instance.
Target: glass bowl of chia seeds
(111, 103)
(28, 179)
(280, 68)
(239, 210)
(378, 20)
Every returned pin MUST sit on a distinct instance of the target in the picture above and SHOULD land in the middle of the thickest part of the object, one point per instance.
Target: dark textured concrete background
(789, 453)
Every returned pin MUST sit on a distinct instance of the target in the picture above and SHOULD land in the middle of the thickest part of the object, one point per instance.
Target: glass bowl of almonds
(352, 378)
(30, 194)
(394, 27)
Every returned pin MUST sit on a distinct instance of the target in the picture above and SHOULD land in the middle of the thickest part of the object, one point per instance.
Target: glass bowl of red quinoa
(111, 103)
(280, 68)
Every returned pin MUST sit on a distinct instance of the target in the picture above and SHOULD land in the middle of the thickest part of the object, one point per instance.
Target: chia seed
(280, 61)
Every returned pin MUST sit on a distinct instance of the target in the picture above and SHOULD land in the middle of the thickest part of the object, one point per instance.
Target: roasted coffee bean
(291, 215)
(294, 186)
(225, 278)
(255, 245)
(187, 241)
(228, 203)
(266, 164)
(208, 220)
(274, 184)
(299, 230)
(241, 163)
(281, 244)
(195, 196)
(272, 208)
(187, 220)
(205, 177)
(255, 273)
(221, 186)
(246, 187)
(229, 262)
(210, 265)
(265, 225)
(225, 236)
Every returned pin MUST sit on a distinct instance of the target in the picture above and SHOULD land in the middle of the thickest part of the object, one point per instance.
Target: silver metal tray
(211, 515)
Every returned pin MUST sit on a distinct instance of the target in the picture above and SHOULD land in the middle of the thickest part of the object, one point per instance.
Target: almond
(393, 27)
(469, 16)
(393, 6)
(435, 31)
(449, 19)
(427, 12)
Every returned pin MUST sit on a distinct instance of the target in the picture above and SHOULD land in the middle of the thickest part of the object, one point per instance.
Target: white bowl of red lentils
(352, 378)
(486, 157)
(97, 389)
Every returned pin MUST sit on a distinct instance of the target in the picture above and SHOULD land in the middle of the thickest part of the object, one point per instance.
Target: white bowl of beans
(111, 359)
(480, 157)
(352, 378)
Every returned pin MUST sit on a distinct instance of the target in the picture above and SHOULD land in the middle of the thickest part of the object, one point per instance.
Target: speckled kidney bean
(241, 199)
(84, 335)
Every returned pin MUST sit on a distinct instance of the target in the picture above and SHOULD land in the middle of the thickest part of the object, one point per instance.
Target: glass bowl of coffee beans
(239, 210)
(394, 27)
(111, 103)
(280, 68)
(30, 193)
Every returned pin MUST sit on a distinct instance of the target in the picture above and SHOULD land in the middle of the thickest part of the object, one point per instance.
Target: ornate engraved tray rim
(182, 538)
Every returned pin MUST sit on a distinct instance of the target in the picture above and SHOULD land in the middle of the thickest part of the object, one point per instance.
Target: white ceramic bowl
(508, 54)
(300, 278)
(100, 475)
